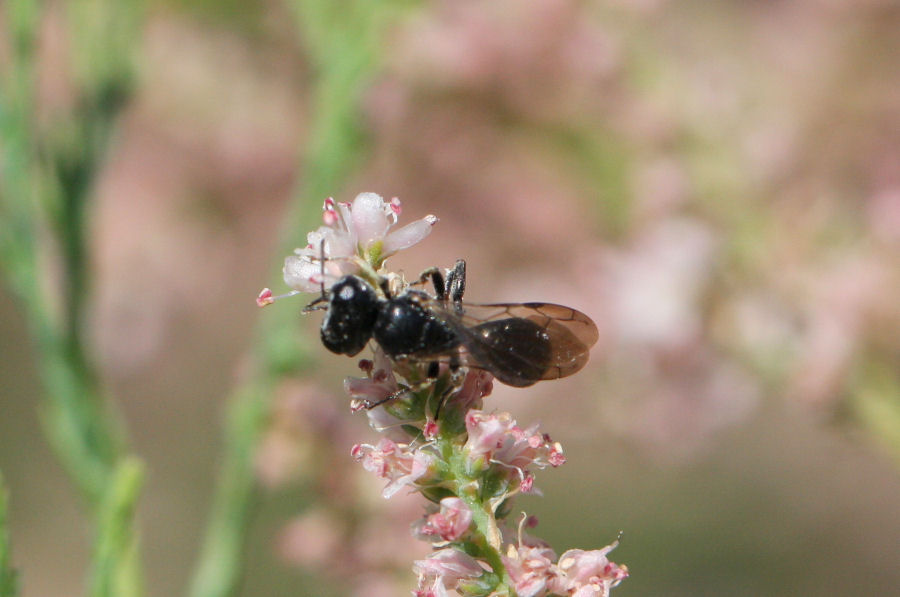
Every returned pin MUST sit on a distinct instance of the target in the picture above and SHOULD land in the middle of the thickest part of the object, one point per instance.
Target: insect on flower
(518, 343)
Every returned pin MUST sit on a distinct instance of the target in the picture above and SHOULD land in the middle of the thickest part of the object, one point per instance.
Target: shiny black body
(519, 344)
(402, 326)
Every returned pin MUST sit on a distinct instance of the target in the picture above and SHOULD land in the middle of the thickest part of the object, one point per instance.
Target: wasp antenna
(322, 268)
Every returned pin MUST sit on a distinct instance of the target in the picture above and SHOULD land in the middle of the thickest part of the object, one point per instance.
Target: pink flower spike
(264, 298)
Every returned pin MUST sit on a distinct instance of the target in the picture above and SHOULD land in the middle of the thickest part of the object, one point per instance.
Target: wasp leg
(456, 379)
(444, 395)
(457, 375)
(437, 280)
(452, 287)
(434, 369)
(456, 284)
(422, 385)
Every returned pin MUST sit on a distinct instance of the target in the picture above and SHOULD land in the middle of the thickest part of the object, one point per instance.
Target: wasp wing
(523, 343)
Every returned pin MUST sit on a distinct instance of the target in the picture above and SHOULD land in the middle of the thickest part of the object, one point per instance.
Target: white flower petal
(405, 237)
(299, 273)
(339, 245)
(370, 220)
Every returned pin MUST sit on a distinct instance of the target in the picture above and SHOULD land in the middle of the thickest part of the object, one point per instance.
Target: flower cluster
(437, 439)
(577, 572)
(353, 237)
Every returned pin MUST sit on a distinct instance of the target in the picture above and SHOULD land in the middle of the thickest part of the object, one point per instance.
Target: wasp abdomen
(518, 350)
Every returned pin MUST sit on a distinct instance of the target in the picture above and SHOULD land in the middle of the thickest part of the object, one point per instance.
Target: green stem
(468, 489)
(219, 569)
(116, 572)
(9, 582)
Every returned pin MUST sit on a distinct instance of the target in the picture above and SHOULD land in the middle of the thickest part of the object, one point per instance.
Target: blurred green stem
(49, 173)
(342, 42)
(8, 581)
(116, 572)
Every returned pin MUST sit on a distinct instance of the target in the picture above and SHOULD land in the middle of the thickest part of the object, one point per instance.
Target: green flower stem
(8, 577)
(17, 255)
(219, 567)
(116, 572)
(468, 489)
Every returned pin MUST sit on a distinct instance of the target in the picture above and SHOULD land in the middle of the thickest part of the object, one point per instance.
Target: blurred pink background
(716, 184)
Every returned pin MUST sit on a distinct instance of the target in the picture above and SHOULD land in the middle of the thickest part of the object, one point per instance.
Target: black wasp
(519, 343)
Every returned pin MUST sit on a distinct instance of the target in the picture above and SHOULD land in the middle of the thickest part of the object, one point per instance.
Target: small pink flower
(451, 522)
(497, 439)
(442, 571)
(486, 432)
(590, 573)
(531, 569)
(379, 383)
(358, 231)
(431, 429)
(476, 385)
(436, 589)
(398, 463)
